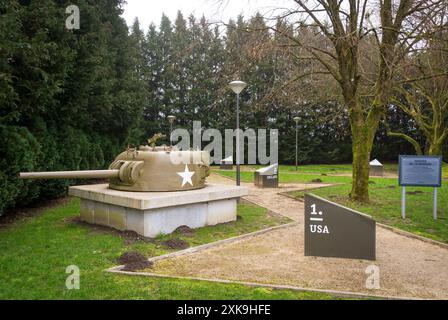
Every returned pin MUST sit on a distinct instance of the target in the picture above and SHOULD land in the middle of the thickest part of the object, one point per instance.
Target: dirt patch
(271, 213)
(244, 201)
(32, 210)
(414, 192)
(176, 244)
(386, 174)
(185, 231)
(316, 181)
(134, 261)
(129, 237)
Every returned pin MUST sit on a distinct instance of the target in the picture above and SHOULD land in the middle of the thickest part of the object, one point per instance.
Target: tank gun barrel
(86, 174)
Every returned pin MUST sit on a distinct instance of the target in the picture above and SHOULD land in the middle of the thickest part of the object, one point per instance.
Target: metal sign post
(403, 203)
(435, 204)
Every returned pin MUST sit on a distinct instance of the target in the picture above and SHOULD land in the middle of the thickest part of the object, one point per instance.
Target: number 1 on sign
(317, 228)
(313, 206)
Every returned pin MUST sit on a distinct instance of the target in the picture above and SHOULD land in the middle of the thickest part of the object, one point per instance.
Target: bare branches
(409, 139)
(425, 77)
(314, 51)
(362, 18)
(311, 13)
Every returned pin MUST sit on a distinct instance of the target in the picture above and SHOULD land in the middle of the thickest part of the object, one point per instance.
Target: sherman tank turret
(146, 168)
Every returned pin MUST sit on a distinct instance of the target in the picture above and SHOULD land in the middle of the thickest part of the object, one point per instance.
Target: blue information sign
(425, 171)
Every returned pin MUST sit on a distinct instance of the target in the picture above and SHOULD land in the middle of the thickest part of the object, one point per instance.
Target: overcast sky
(149, 11)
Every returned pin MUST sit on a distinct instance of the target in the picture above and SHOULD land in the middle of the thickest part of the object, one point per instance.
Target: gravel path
(270, 198)
(386, 174)
(408, 267)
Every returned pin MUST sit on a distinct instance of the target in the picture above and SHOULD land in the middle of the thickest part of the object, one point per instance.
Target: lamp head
(237, 86)
(296, 119)
(171, 118)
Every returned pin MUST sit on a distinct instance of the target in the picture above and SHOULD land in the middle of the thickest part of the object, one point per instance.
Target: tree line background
(72, 100)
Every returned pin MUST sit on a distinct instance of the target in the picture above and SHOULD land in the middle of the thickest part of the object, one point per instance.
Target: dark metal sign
(332, 230)
(419, 171)
(425, 171)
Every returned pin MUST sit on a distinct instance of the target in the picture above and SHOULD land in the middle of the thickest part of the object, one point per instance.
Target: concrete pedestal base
(154, 213)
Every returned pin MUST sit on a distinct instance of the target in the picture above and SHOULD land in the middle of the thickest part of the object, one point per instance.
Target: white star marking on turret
(186, 176)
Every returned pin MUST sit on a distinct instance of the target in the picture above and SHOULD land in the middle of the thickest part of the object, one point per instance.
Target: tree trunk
(361, 169)
(363, 134)
(435, 148)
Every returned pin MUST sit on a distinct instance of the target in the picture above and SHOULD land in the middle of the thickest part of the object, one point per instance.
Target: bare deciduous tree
(423, 92)
(365, 44)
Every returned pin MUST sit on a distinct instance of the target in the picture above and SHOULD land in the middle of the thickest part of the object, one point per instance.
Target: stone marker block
(225, 166)
(376, 168)
(227, 163)
(266, 177)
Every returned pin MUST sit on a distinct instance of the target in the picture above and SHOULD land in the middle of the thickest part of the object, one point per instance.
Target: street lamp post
(171, 120)
(297, 119)
(237, 87)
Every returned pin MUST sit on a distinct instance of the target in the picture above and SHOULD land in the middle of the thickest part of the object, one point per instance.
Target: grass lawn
(328, 169)
(317, 168)
(36, 251)
(286, 177)
(385, 200)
